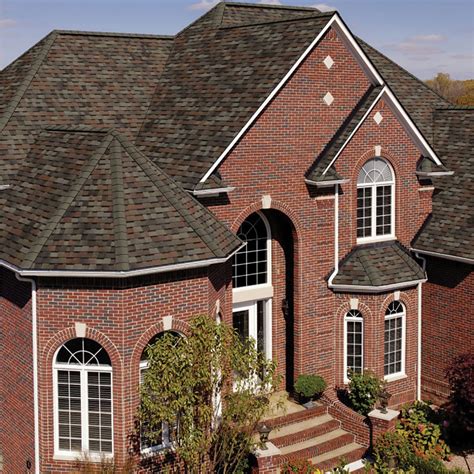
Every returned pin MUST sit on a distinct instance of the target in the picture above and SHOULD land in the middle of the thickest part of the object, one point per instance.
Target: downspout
(336, 236)
(34, 324)
(418, 372)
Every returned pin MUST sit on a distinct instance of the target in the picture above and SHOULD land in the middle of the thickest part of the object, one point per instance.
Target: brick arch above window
(345, 307)
(409, 301)
(385, 154)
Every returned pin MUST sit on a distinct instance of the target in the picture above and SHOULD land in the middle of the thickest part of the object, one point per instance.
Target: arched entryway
(264, 288)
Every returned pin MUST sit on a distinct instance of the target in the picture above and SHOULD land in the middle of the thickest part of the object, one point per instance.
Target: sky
(424, 36)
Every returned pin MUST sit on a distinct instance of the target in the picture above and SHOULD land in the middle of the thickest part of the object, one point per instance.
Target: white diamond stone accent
(328, 62)
(378, 118)
(328, 98)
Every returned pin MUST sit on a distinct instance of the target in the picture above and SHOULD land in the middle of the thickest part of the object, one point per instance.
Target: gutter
(119, 274)
(4, 186)
(212, 192)
(454, 258)
(34, 324)
(434, 174)
(373, 289)
(336, 238)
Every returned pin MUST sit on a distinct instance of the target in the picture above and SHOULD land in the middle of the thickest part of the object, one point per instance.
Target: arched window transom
(394, 339)
(375, 209)
(353, 342)
(251, 263)
(83, 399)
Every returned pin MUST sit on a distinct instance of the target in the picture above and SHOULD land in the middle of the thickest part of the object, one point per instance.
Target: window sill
(372, 240)
(252, 293)
(395, 377)
(155, 450)
(79, 456)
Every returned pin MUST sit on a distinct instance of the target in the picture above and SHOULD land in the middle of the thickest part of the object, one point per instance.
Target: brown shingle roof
(87, 200)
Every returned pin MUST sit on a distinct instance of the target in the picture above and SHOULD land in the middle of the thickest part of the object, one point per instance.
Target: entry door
(253, 320)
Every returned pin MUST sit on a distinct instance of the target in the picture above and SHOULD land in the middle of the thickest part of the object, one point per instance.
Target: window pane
(364, 216)
(393, 345)
(354, 341)
(100, 411)
(384, 210)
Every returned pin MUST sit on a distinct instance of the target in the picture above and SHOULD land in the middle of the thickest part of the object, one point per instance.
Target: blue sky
(424, 36)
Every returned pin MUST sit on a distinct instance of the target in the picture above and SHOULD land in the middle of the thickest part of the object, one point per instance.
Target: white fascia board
(212, 192)
(349, 138)
(375, 289)
(429, 174)
(119, 274)
(326, 184)
(4, 186)
(404, 118)
(347, 38)
(446, 256)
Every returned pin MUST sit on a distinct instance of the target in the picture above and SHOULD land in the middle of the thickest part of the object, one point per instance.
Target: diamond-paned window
(375, 190)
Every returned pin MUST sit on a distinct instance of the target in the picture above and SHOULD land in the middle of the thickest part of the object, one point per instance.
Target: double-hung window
(83, 400)
(375, 201)
(394, 340)
(354, 342)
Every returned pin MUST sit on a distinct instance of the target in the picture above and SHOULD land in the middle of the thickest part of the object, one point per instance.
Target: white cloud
(203, 4)
(323, 7)
(420, 46)
(7, 23)
(271, 2)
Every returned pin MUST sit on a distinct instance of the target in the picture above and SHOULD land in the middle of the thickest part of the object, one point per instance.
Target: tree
(446, 87)
(213, 388)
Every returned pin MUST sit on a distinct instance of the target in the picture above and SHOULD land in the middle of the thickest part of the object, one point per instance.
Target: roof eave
(433, 174)
(326, 184)
(375, 289)
(454, 258)
(211, 192)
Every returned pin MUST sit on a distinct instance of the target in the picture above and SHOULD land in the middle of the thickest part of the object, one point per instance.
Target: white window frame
(262, 290)
(62, 454)
(401, 373)
(346, 320)
(373, 186)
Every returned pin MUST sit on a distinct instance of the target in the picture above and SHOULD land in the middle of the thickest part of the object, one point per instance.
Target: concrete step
(317, 445)
(331, 459)
(297, 416)
(303, 430)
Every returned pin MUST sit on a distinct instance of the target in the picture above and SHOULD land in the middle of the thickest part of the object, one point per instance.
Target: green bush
(310, 385)
(419, 424)
(298, 467)
(364, 390)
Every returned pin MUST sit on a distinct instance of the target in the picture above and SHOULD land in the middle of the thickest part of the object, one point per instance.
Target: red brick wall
(16, 373)
(122, 315)
(447, 328)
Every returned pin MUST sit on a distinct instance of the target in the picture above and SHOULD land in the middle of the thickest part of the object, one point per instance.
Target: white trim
(401, 373)
(4, 186)
(212, 192)
(418, 345)
(119, 274)
(346, 37)
(251, 293)
(336, 238)
(346, 320)
(444, 255)
(371, 240)
(326, 184)
(34, 330)
(373, 289)
(412, 129)
(428, 174)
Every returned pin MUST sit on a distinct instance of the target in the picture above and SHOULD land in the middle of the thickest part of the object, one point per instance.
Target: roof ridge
(358, 39)
(34, 68)
(118, 205)
(286, 20)
(268, 5)
(64, 206)
(112, 33)
(149, 167)
(199, 18)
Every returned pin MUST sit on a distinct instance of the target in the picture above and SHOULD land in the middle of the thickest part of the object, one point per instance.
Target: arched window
(83, 399)
(251, 264)
(394, 339)
(163, 439)
(375, 204)
(353, 342)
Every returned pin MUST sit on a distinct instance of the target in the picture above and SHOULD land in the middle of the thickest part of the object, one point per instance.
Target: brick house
(264, 166)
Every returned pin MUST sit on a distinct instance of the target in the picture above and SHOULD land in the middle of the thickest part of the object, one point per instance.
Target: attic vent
(378, 118)
(328, 98)
(328, 62)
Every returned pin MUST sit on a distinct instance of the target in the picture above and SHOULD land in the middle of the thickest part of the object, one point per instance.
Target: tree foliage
(457, 92)
(214, 387)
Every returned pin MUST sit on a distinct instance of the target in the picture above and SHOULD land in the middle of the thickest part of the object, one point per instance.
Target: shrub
(418, 424)
(364, 390)
(310, 385)
(460, 376)
(298, 467)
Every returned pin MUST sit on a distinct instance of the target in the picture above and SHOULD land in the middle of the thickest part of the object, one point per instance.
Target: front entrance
(253, 320)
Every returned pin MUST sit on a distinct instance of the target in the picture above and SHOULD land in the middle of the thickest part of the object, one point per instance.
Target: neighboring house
(133, 168)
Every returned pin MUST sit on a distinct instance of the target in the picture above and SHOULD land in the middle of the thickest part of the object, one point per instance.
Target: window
(375, 191)
(394, 339)
(251, 263)
(354, 342)
(83, 399)
(164, 438)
